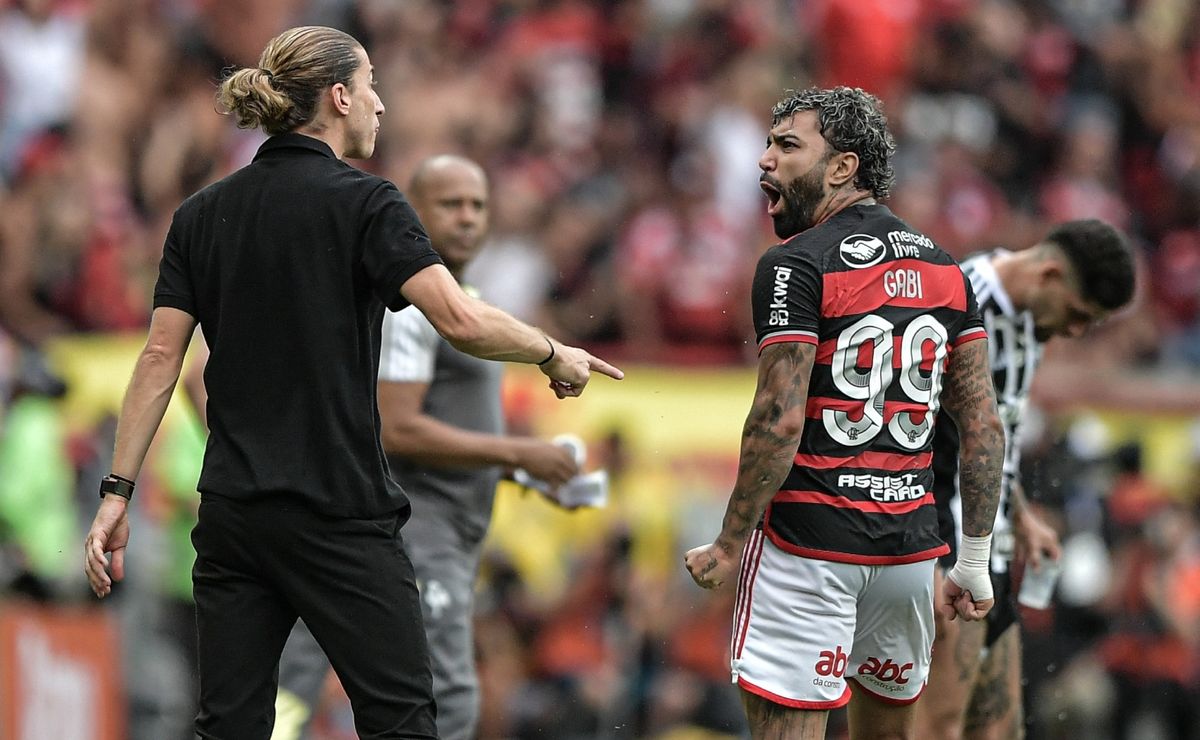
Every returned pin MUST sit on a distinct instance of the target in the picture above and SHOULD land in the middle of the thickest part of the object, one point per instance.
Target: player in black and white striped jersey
(1075, 277)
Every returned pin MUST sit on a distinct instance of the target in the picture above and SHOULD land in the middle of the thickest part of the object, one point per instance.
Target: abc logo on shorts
(830, 667)
(887, 671)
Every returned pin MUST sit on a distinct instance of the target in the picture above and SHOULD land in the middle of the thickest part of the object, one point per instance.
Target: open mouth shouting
(774, 195)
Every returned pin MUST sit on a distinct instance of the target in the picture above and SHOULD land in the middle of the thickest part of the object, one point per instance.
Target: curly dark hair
(1102, 259)
(851, 120)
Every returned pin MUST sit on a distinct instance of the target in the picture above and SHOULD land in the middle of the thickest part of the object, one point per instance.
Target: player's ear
(842, 168)
(340, 95)
(1051, 269)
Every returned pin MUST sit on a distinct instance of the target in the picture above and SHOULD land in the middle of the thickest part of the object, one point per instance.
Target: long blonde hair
(295, 68)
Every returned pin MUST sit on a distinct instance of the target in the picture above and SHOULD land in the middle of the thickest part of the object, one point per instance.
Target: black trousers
(260, 566)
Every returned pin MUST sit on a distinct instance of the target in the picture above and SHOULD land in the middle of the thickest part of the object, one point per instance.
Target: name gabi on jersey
(903, 284)
(779, 312)
(885, 488)
(905, 243)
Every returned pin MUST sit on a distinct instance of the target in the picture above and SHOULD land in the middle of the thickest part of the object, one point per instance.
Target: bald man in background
(443, 432)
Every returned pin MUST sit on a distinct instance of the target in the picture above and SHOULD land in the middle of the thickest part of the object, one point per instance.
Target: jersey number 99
(870, 384)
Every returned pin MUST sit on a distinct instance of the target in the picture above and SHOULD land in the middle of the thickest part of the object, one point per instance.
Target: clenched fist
(711, 565)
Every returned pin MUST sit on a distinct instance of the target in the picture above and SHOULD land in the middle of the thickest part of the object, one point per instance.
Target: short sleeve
(785, 298)
(972, 327)
(409, 347)
(395, 245)
(174, 286)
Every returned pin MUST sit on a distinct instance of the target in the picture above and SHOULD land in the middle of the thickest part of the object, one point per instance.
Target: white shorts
(801, 627)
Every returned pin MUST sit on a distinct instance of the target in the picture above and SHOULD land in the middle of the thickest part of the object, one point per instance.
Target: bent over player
(1069, 281)
(865, 329)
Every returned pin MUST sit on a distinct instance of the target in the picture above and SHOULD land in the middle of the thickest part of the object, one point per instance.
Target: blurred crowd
(1118, 654)
(621, 137)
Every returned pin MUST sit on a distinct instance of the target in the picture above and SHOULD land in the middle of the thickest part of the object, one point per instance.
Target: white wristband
(970, 571)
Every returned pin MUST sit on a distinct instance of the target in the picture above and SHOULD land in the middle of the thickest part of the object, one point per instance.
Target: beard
(800, 200)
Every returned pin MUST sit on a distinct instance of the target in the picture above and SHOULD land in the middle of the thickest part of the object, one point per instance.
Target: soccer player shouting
(865, 330)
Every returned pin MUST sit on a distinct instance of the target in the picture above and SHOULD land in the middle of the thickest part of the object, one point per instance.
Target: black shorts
(1004, 613)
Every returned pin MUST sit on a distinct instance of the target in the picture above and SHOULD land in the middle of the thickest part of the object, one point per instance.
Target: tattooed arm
(770, 438)
(969, 396)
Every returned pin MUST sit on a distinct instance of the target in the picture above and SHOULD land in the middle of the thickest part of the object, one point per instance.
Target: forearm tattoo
(970, 397)
(770, 436)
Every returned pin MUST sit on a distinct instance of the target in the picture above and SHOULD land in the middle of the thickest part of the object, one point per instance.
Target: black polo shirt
(288, 264)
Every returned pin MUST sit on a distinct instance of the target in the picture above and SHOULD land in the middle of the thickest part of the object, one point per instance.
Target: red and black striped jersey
(885, 307)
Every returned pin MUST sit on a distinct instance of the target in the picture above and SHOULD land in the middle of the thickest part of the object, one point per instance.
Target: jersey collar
(987, 272)
(295, 141)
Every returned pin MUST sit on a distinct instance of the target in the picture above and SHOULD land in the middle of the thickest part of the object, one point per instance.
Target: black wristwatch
(117, 486)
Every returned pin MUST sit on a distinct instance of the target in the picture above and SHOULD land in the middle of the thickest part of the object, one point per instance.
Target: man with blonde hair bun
(287, 266)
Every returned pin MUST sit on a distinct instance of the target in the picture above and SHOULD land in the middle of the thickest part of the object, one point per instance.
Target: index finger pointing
(602, 367)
